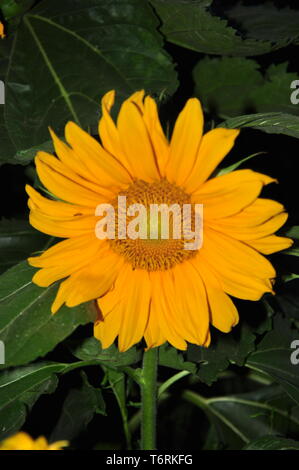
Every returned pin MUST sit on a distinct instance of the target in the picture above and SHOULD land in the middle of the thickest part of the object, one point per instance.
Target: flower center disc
(150, 252)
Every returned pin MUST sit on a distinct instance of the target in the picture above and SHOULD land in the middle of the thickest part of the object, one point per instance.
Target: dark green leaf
(12, 8)
(190, 24)
(27, 327)
(18, 240)
(266, 22)
(78, 410)
(117, 47)
(224, 350)
(272, 443)
(272, 123)
(225, 84)
(241, 418)
(171, 357)
(293, 232)
(90, 349)
(19, 390)
(288, 297)
(274, 94)
(230, 86)
(273, 356)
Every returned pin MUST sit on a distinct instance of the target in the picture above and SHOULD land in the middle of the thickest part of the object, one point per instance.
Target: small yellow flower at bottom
(2, 34)
(22, 441)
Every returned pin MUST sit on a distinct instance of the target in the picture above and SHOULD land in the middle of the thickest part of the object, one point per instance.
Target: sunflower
(2, 34)
(22, 441)
(154, 288)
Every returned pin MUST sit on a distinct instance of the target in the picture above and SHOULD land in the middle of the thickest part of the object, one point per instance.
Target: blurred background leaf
(272, 443)
(230, 86)
(240, 418)
(266, 22)
(273, 356)
(191, 24)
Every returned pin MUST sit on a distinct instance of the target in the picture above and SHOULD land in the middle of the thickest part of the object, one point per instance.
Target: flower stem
(149, 399)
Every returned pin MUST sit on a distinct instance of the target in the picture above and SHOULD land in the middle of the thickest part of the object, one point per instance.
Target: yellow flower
(154, 288)
(2, 34)
(22, 441)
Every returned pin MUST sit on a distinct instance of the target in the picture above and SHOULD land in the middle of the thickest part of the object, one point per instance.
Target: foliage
(57, 60)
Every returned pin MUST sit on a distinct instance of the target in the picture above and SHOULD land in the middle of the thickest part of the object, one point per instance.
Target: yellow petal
(158, 139)
(2, 34)
(240, 232)
(223, 312)
(66, 250)
(74, 227)
(153, 334)
(64, 184)
(137, 97)
(214, 146)
(255, 214)
(230, 193)
(136, 143)
(107, 330)
(270, 244)
(162, 311)
(190, 302)
(107, 171)
(19, 441)
(107, 128)
(128, 306)
(185, 142)
(89, 282)
(55, 209)
(242, 271)
(75, 254)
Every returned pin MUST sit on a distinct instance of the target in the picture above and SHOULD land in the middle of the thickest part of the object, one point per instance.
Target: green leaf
(266, 22)
(234, 166)
(27, 327)
(287, 298)
(230, 86)
(272, 443)
(190, 24)
(272, 123)
(19, 390)
(274, 94)
(241, 418)
(273, 357)
(171, 357)
(117, 47)
(90, 349)
(293, 232)
(17, 241)
(224, 350)
(12, 8)
(224, 85)
(292, 251)
(78, 410)
(23, 157)
(7, 148)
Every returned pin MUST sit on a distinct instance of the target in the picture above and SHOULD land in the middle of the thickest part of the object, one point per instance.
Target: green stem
(149, 399)
(171, 381)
